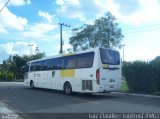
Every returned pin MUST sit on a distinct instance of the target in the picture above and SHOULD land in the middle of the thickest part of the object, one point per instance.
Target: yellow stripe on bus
(69, 54)
(104, 65)
(67, 73)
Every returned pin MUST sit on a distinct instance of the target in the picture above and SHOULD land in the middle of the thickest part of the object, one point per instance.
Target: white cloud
(2, 29)
(66, 47)
(12, 48)
(147, 10)
(104, 6)
(19, 48)
(127, 7)
(71, 9)
(19, 2)
(31, 34)
(71, 2)
(39, 30)
(85, 9)
(59, 2)
(42, 29)
(47, 16)
(9, 20)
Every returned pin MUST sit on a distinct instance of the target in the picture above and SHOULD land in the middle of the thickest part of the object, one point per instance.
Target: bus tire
(32, 84)
(67, 88)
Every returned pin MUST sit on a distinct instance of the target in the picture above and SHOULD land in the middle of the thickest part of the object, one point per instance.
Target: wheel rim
(68, 89)
(32, 85)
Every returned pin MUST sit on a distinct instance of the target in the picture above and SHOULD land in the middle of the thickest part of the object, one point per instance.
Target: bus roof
(69, 54)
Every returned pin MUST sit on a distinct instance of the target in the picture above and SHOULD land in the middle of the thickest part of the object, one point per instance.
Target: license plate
(112, 86)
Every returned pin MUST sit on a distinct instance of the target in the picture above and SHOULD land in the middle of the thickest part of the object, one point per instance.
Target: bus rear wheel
(67, 88)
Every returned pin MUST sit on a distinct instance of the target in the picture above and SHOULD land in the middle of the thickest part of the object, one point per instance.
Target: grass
(156, 93)
(18, 80)
(124, 87)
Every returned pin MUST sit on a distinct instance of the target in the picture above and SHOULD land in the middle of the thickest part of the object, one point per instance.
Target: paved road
(25, 100)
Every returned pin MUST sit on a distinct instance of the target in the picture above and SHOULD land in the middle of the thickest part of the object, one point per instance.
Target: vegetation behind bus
(143, 76)
(11, 68)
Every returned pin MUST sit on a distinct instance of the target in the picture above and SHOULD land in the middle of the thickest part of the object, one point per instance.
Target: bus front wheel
(32, 84)
(67, 88)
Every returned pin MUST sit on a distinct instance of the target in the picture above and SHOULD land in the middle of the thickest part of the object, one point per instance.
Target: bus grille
(87, 85)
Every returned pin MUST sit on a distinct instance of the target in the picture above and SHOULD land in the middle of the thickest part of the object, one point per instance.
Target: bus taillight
(97, 76)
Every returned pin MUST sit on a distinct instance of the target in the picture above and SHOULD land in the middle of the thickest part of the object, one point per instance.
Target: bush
(2, 77)
(10, 77)
(155, 74)
(142, 76)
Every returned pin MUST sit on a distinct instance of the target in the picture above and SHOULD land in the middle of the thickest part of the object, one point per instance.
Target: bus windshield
(109, 56)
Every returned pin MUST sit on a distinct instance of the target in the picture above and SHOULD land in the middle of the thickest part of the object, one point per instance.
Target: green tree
(12, 66)
(142, 76)
(5, 69)
(104, 33)
(38, 56)
(5, 66)
(33, 57)
(19, 62)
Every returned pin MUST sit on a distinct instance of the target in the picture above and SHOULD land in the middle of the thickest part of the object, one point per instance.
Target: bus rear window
(109, 56)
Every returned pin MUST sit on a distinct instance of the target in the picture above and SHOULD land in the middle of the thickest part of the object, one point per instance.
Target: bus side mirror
(23, 68)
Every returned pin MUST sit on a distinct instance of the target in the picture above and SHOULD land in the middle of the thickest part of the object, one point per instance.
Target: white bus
(93, 70)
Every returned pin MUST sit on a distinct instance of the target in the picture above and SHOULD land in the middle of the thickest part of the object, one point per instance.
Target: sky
(36, 23)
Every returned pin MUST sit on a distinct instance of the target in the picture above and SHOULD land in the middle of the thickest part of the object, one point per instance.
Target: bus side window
(59, 64)
(55, 64)
(70, 62)
(31, 69)
(45, 66)
(33, 66)
(26, 68)
(37, 66)
(85, 60)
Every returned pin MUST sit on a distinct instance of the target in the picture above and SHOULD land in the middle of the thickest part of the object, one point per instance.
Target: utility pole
(30, 45)
(61, 41)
